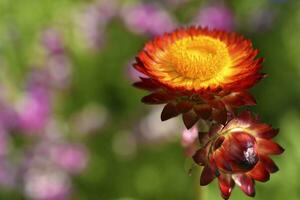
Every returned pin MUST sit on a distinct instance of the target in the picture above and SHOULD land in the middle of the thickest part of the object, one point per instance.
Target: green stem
(199, 189)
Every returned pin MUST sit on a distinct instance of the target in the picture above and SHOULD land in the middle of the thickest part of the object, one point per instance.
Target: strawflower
(198, 72)
(237, 154)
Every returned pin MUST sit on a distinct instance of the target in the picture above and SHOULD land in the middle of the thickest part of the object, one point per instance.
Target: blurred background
(73, 127)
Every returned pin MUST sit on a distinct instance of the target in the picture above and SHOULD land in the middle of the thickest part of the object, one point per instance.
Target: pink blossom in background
(57, 63)
(59, 69)
(215, 16)
(189, 139)
(147, 19)
(72, 158)
(34, 109)
(52, 41)
(93, 21)
(46, 184)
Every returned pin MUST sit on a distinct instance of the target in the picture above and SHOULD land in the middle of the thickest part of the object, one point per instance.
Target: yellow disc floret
(195, 61)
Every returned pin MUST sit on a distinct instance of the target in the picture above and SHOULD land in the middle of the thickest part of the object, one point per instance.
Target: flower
(238, 153)
(196, 69)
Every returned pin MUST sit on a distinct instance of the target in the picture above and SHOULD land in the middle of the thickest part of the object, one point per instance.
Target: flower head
(238, 153)
(207, 71)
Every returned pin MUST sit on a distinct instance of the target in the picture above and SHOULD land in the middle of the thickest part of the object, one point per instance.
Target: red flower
(238, 153)
(199, 73)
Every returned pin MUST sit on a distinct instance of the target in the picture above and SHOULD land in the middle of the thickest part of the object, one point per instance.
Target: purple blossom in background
(4, 142)
(34, 109)
(93, 22)
(147, 19)
(72, 158)
(215, 16)
(8, 117)
(7, 174)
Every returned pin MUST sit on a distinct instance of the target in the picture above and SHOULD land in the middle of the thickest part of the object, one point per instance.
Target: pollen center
(200, 57)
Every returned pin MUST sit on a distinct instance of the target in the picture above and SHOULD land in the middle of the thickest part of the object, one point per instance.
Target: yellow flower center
(200, 57)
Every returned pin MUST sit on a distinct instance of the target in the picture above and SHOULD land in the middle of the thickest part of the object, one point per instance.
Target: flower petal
(219, 116)
(157, 98)
(147, 84)
(269, 147)
(245, 183)
(207, 176)
(259, 173)
(265, 131)
(169, 111)
(200, 156)
(237, 99)
(184, 107)
(226, 185)
(203, 110)
(190, 118)
(269, 164)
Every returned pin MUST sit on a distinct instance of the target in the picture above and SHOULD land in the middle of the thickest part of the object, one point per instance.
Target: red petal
(226, 185)
(259, 173)
(146, 84)
(214, 129)
(269, 164)
(169, 111)
(245, 116)
(237, 99)
(219, 116)
(268, 147)
(204, 111)
(189, 119)
(245, 183)
(200, 156)
(203, 138)
(265, 131)
(184, 107)
(207, 176)
(157, 98)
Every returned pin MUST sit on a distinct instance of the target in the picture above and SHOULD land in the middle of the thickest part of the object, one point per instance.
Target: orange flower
(238, 153)
(197, 67)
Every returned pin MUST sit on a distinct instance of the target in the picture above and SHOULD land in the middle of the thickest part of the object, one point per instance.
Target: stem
(199, 189)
